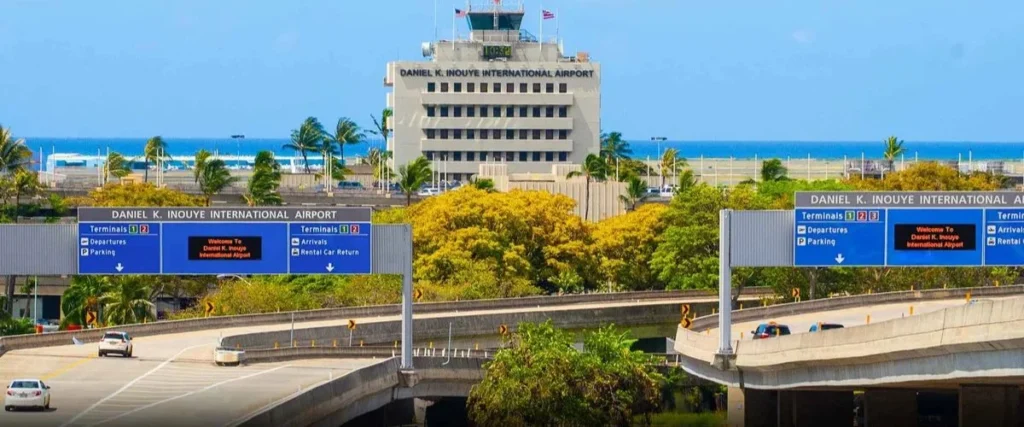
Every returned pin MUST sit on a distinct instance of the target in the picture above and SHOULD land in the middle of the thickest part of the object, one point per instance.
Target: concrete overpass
(970, 348)
(172, 378)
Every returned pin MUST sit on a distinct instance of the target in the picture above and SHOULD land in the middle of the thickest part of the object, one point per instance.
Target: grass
(704, 419)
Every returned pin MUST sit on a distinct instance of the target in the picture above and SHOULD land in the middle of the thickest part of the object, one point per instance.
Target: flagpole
(435, 20)
(540, 41)
(453, 32)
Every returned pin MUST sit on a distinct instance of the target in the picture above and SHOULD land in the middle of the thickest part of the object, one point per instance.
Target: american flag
(460, 13)
(548, 14)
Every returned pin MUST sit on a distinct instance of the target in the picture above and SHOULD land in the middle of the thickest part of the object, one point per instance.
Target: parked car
(350, 185)
(116, 342)
(27, 393)
(426, 192)
(768, 330)
(820, 326)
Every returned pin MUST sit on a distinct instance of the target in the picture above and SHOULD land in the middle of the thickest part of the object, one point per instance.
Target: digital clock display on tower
(491, 52)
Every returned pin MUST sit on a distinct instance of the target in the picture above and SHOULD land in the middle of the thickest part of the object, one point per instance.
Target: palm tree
(636, 193)
(485, 184)
(773, 170)
(613, 147)
(686, 180)
(378, 160)
(82, 296)
(893, 149)
(412, 176)
(116, 165)
(126, 302)
(306, 139)
(264, 181)
(214, 178)
(671, 164)
(346, 132)
(14, 154)
(202, 158)
(155, 150)
(25, 184)
(382, 125)
(594, 168)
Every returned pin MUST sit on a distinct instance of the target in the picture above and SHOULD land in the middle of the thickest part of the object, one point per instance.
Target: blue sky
(689, 70)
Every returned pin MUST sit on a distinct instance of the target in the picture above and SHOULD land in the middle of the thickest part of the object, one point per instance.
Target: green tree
(671, 164)
(115, 165)
(594, 169)
(636, 193)
(155, 150)
(485, 184)
(412, 176)
(214, 178)
(381, 126)
(24, 184)
(306, 139)
(378, 160)
(613, 147)
(686, 180)
(126, 301)
(773, 170)
(135, 195)
(202, 159)
(14, 154)
(893, 149)
(83, 296)
(346, 132)
(262, 188)
(541, 380)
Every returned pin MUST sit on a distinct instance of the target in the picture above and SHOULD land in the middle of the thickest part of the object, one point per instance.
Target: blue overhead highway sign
(913, 229)
(210, 241)
(839, 237)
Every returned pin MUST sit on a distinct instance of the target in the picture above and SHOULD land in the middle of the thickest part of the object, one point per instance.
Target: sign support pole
(407, 304)
(724, 358)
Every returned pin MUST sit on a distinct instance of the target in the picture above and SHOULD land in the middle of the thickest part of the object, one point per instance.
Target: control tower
(500, 95)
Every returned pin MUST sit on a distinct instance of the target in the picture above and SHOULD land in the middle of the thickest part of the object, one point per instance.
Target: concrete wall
(436, 328)
(333, 403)
(177, 326)
(976, 340)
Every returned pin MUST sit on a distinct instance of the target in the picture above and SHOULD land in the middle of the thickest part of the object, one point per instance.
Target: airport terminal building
(502, 96)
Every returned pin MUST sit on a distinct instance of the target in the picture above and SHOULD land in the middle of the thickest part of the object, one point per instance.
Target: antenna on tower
(497, 8)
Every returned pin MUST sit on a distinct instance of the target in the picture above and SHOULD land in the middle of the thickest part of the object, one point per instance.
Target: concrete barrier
(479, 325)
(336, 402)
(220, 322)
(976, 340)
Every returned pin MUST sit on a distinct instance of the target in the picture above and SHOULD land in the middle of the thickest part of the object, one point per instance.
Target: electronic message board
(209, 241)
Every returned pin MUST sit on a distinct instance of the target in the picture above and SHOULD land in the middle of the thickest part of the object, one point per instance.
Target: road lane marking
(238, 421)
(66, 368)
(209, 387)
(130, 383)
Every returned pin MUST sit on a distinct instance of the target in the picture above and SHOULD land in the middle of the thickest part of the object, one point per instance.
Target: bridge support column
(752, 408)
(815, 408)
(989, 406)
(890, 408)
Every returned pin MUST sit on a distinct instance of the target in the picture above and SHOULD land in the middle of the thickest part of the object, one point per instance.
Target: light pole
(659, 139)
(238, 146)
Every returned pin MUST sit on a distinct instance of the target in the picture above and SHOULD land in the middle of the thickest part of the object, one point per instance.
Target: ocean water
(641, 149)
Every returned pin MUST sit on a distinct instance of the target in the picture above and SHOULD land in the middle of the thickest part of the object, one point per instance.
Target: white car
(427, 192)
(116, 342)
(27, 394)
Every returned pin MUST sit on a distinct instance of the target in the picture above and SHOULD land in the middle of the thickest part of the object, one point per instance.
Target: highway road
(172, 377)
(851, 316)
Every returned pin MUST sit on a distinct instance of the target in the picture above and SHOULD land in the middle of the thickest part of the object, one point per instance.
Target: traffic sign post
(224, 241)
(208, 308)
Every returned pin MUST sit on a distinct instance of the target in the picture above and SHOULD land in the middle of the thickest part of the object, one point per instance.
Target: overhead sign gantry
(246, 241)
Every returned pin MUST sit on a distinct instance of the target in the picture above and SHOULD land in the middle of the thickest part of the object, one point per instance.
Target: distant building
(501, 96)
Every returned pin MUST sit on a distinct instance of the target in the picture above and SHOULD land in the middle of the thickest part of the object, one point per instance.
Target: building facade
(501, 96)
